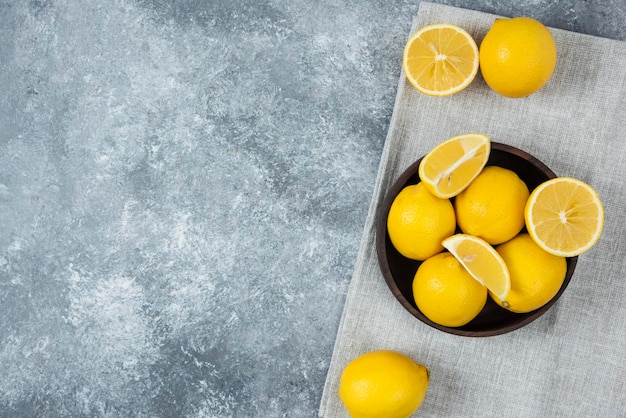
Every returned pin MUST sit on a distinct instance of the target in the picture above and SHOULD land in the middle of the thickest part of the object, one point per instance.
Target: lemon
(536, 275)
(492, 206)
(450, 167)
(418, 221)
(383, 383)
(446, 293)
(565, 216)
(482, 261)
(440, 59)
(517, 56)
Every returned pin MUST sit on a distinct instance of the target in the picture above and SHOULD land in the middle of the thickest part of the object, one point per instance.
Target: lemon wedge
(448, 168)
(481, 261)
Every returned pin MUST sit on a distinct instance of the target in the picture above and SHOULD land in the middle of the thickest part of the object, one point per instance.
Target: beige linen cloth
(571, 362)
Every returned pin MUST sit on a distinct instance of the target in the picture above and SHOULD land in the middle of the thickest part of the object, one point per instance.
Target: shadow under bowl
(399, 271)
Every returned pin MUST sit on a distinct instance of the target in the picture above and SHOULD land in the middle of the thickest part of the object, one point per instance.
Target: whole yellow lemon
(517, 56)
(492, 206)
(418, 222)
(536, 275)
(446, 293)
(383, 383)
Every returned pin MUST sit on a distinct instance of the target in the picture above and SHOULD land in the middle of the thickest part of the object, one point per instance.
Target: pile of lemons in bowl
(512, 245)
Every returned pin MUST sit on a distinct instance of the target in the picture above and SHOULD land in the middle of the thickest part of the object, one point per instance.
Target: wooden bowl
(399, 271)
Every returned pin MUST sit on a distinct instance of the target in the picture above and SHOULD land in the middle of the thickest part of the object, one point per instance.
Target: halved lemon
(564, 216)
(440, 59)
(481, 261)
(452, 165)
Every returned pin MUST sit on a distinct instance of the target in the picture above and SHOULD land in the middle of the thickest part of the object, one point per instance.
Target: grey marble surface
(183, 186)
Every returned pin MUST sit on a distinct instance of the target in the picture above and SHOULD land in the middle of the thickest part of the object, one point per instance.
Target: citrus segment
(440, 59)
(564, 216)
(481, 261)
(451, 166)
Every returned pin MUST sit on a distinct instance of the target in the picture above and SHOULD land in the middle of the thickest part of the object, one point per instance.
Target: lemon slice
(452, 165)
(564, 216)
(440, 59)
(481, 261)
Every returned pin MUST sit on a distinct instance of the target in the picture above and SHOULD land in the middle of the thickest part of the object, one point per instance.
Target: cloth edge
(367, 228)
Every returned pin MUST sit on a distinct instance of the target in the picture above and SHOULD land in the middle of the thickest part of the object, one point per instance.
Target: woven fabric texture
(571, 362)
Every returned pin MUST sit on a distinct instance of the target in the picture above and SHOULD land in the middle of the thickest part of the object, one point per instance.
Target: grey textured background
(183, 187)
